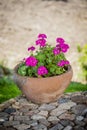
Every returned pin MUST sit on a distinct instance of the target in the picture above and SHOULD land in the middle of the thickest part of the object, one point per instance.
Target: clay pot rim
(16, 68)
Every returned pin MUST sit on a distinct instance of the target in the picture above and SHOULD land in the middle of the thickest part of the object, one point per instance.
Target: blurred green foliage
(76, 87)
(83, 59)
(8, 89)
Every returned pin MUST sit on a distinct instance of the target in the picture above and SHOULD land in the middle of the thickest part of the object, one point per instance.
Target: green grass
(75, 87)
(8, 88)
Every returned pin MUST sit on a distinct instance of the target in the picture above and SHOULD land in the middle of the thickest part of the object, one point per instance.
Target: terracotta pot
(43, 90)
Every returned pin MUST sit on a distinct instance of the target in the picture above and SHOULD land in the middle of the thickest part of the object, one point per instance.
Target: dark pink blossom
(62, 63)
(64, 47)
(60, 40)
(42, 36)
(42, 70)
(41, 42)
(31, 61)
(32, 48)
(67, 62)
(56, 51)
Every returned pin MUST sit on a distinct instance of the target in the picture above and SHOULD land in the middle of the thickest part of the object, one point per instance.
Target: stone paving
(68, 113)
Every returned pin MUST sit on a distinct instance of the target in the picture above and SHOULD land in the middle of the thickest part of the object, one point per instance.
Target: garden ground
(20, 22)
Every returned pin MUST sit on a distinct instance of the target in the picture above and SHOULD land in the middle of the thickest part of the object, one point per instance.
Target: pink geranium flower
(42, 70)
(56, 51)
(60, 40)
(42, 36)
(62, 63)
(64, 47)
(31, 61)
(41, 42)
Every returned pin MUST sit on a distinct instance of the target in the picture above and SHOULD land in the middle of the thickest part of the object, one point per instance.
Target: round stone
(66, 122)
(78, 109)
(84, 113)
(63, 100)
(47, 107)
(79, 118)
(79, 99)
(43, 113)
(68, 127)
(10, 110)
(53, 119)
(79, 128)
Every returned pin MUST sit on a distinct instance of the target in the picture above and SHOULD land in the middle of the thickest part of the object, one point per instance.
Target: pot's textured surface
(43, 90)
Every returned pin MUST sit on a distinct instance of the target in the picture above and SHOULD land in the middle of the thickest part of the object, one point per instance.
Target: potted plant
(45, 73)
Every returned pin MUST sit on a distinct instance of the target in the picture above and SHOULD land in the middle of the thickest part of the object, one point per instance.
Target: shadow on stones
(7, 128)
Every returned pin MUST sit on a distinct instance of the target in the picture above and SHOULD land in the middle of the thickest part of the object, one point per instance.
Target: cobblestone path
(68, 113)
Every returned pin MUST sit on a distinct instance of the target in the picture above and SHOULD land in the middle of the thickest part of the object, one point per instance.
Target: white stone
(47, 107)
(37, 117)
(53, 119)
(17, 103)
(79, 118)
(67, 116)
(22, 127)
(57, 112)
(68, 128)
(43, 113)
(16, 106)
(30, 105)
(10, 118)
(66, 106)
(2, 120)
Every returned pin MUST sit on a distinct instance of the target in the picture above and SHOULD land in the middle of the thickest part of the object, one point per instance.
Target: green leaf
(40, 64)
(52, 70)
(40, 57)
(59, 71)
(22, 70)
(29, 71)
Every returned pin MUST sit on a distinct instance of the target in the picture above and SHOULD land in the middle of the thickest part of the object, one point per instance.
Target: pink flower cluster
(62, 63)
(56, 51)
(31, 61)
(41, 40)
(42, 70)
(60, 47)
